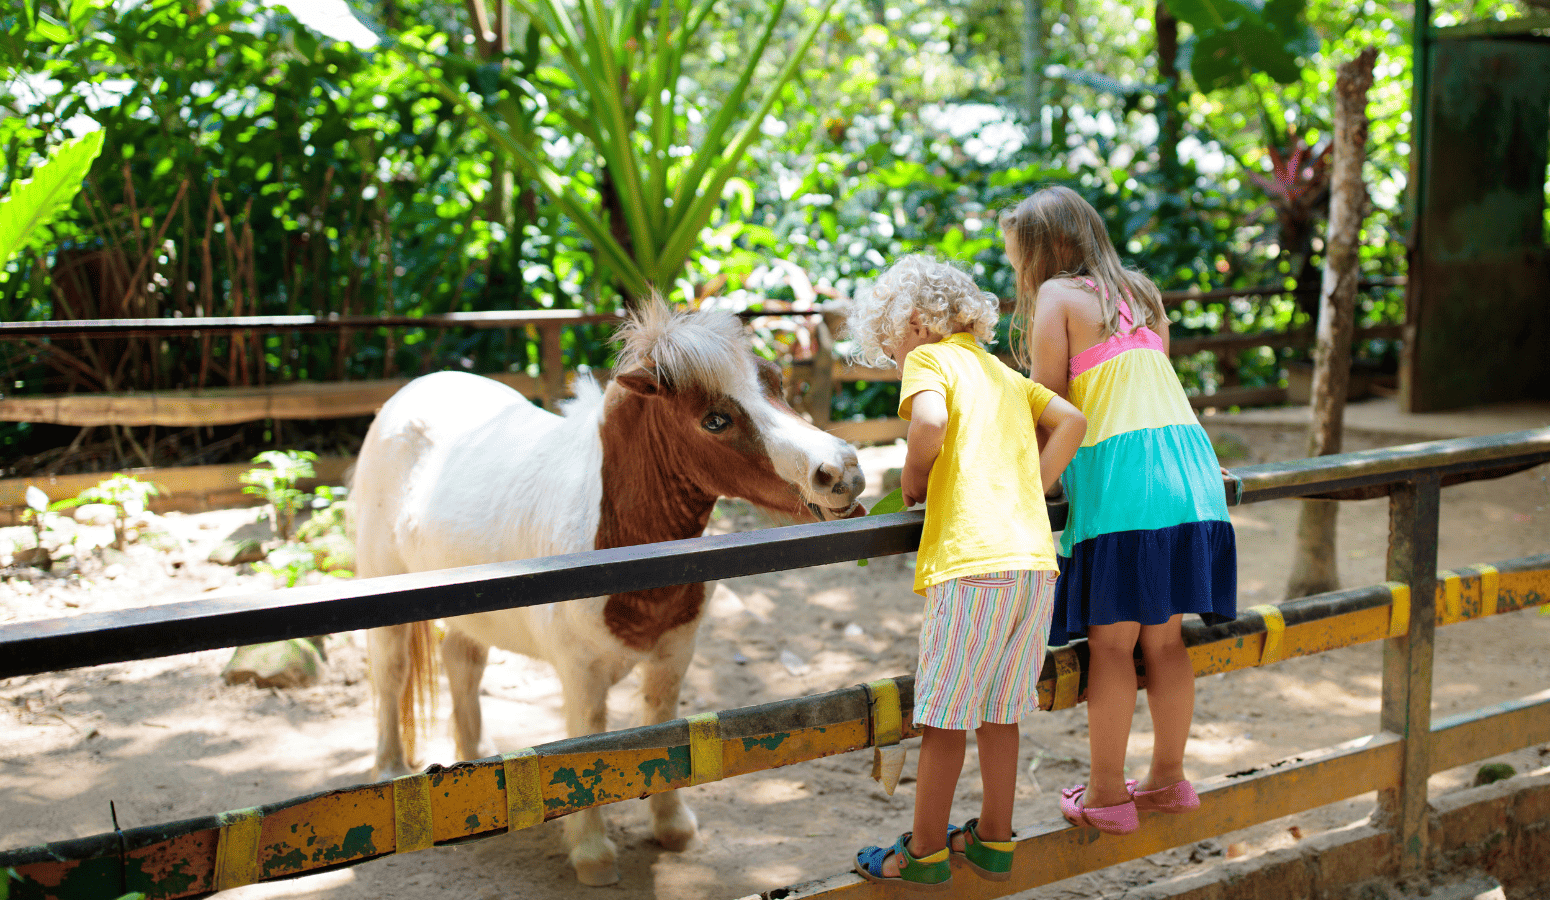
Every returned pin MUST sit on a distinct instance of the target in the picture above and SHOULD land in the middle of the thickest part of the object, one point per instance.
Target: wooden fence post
(820, 388)
(551, 365)
(1407, 665)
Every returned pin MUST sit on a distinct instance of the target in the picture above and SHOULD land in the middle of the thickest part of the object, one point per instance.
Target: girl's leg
(1111, 703)
(1170, 694)
(997, 744)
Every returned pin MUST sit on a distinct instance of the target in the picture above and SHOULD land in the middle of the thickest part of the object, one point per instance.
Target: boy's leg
(998, 747)
(941, 761)
(1170, 695)
(1111, 704)
(936, 780)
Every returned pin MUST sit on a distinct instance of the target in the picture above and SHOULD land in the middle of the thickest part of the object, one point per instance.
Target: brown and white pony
(459, 470)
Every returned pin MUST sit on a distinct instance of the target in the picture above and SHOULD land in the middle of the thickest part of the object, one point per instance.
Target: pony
(460, 470)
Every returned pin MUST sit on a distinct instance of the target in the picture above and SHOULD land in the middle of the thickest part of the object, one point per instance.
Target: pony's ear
(641, 380)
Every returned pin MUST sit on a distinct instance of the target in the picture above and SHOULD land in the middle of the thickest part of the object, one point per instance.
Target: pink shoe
(1178, 797)
(1118, 819)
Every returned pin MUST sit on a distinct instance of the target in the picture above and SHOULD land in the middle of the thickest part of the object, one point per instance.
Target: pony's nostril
(825, 476)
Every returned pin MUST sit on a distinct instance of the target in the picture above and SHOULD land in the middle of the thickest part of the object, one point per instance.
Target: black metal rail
(99, 638)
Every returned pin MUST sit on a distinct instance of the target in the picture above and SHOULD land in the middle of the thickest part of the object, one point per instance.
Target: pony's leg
(464, 659)
(388, 650)
(662, 674)
(586, 683)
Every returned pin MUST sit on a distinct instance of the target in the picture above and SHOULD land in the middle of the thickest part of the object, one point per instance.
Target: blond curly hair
(945, 296)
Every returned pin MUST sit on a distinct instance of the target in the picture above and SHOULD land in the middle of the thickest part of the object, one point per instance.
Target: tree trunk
(1314, 569)
(1170, 106)
(1033, 69)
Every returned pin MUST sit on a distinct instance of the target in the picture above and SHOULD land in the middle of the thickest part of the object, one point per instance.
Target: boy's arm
(1067, 426)
(928, 427)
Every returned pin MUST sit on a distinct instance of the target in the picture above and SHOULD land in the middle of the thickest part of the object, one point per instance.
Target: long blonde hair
(1057, 234)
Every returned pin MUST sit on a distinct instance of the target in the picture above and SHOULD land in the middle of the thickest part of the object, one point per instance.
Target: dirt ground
(166, 739)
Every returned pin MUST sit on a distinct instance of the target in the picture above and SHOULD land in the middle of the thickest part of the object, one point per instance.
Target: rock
(238, 551)
(793, 663)
(281, 664)
(38, 557)
(1494, 772)
(892, 479)
(95, 514)
(112, 556)
(115, 570)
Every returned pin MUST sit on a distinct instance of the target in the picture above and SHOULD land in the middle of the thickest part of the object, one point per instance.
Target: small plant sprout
(288, 565)
(127, 495)
(277, 485)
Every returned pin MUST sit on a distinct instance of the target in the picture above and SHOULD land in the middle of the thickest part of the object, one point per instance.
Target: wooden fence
(818, 373)
(487, 797)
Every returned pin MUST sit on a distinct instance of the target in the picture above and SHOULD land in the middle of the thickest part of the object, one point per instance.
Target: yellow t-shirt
(985, 507)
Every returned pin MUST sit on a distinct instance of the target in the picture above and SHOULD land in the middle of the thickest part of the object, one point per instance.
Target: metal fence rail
(97, 638)
(488, 796)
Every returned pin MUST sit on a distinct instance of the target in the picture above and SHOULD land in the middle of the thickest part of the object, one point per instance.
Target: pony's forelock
(705, 348)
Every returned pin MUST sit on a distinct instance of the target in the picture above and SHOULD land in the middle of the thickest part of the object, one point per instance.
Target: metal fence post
(1407, 664)
(551, 365)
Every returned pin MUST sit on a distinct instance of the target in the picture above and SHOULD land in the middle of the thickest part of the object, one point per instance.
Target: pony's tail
(417, 704)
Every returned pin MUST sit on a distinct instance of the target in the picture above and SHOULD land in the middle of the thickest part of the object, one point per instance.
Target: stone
(1493, 772)
(95, 514)
(280, 664)
(238, 551)
(37, 557)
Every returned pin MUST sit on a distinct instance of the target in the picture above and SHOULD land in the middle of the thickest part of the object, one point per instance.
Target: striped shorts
(981, 648)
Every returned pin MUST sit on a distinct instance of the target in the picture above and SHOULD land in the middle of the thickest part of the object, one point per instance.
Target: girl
(1147, 538)
(987, 558)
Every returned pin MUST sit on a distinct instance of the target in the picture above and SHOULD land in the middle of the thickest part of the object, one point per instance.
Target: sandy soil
(166, 739)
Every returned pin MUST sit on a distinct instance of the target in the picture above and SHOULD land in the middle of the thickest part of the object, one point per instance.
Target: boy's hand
(913, 493)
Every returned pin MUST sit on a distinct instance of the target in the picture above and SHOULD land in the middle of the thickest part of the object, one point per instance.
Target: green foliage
(34, 202)
(287, 565)
(277, 485)
(1234, 38)
(38, 508)
(616, 80)
(127, 495)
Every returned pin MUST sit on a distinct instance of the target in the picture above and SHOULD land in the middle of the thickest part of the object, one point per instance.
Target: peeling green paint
(471, 823)
(769, 742)
(655, 768)
(357, 843)
(293, 861)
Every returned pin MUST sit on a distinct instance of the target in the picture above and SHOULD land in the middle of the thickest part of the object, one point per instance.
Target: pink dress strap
(1129, 337)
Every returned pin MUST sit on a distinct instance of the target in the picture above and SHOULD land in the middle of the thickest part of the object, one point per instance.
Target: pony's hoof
(676, 831)
(595, 872)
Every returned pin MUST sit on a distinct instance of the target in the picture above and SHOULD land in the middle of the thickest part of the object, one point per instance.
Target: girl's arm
(1162, 332)
(928, 428)
(1067, 426)
(1051, 364)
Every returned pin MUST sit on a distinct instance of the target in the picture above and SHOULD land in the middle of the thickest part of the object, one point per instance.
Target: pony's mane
(705, 348)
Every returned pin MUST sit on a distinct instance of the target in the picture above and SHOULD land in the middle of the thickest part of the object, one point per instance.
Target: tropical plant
(276, 484)
(127, 495)
(616, 79)
(33, 203)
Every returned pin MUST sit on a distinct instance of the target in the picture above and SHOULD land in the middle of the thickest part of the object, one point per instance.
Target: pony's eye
(715, 423)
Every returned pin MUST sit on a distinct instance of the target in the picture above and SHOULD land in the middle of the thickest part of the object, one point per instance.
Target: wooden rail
(185, 859)
(224, 406)
(483, 798)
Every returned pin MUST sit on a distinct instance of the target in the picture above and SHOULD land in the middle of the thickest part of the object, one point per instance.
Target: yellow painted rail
(492, 796)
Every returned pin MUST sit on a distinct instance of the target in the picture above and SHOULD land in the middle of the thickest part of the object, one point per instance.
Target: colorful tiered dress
(1148, 534)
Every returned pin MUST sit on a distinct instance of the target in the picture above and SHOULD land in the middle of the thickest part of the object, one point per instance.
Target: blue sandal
(990, 860)
(928, 873)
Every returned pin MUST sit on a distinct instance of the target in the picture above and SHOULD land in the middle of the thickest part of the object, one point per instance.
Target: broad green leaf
(892, 503)
(35, 202)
